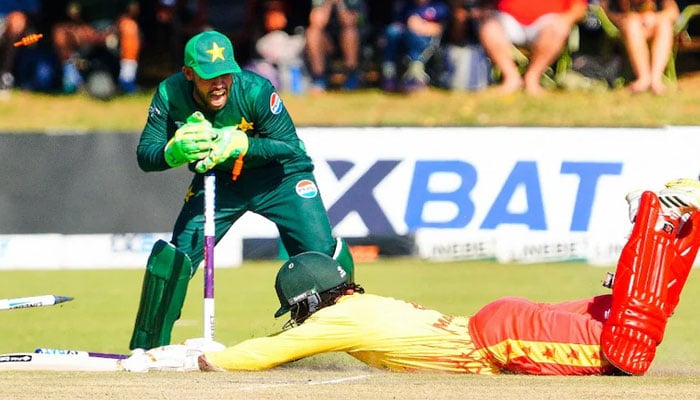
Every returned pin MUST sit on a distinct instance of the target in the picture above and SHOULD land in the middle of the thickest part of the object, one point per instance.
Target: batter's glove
(229, 143)
(192, 142)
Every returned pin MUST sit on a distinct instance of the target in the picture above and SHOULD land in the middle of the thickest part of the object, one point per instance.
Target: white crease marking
(339, 380)
(326, 382)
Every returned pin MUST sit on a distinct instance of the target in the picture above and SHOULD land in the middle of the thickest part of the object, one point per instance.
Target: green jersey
(253, 107)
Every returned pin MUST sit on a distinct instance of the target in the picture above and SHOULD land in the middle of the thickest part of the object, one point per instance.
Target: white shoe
(679, 200)
(684, 182)
(689, 186)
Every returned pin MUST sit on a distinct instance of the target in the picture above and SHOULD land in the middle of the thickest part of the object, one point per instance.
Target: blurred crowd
(111, 47)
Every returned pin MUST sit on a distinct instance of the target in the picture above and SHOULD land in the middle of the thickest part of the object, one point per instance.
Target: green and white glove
(191, 142)
(229, 143)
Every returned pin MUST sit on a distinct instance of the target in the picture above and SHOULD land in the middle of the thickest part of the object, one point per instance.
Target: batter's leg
(521, 336)
(638, 314)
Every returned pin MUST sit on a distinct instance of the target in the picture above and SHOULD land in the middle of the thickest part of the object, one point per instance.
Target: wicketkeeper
(607, 334)
(213, 116)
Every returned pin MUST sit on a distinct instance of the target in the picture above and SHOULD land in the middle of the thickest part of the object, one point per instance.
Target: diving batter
(614, 333)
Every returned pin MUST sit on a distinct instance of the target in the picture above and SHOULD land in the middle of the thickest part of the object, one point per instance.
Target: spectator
(92, 24)
(318, 43)
(274, 15)
(469, 67)
(15, 18)
(417, 29)
(541, 26)
(175, 21)
(647, 31)
(279, 56)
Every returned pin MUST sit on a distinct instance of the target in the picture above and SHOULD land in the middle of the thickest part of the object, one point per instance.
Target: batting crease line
(339, 380)
(327, 382)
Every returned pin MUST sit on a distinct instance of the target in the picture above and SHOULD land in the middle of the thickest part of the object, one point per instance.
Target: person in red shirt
(540, 26)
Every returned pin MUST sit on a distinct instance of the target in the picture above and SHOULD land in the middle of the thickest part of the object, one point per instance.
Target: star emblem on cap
(216, 52)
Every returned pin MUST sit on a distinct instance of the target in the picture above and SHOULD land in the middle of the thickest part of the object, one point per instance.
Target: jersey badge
(275, 103)
(244, 125)
(307, 189)
(153, 111)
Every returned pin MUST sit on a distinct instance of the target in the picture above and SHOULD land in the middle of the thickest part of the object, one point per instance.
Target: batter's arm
(311, 338)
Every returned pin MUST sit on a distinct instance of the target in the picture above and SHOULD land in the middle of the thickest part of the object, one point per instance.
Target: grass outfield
(33, 112)
(101, 317)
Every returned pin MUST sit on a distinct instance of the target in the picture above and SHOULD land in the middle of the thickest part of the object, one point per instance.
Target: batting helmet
(304, 277)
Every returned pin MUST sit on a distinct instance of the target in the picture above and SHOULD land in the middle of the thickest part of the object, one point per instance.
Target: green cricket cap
(210, 54)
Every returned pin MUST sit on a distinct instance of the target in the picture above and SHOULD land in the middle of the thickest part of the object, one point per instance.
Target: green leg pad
(344, 257)
(162, 296)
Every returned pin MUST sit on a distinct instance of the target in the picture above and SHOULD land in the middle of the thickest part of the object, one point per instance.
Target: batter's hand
(192, 142)
(229, 142)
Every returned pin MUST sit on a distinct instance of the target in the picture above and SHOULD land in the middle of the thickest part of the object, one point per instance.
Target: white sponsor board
(531, 247)
(508, 193)
(55, 251)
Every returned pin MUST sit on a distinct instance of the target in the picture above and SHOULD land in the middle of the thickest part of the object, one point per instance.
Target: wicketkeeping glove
(229, 142)
(191, 142)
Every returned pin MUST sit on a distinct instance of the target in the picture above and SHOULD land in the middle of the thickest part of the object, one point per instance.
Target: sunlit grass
(26, 111)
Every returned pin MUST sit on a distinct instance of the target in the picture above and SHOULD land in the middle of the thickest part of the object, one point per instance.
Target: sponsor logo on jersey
(306, 189)
(275, 103)
(153, 111)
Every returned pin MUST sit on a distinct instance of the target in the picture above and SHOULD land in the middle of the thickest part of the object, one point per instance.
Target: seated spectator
(90, 24)
(540, 26)
(14, 24)
(463, 27)
(418, 26)
(319, 44)
(647, 31)
(175, 22)
(469, 67)
(274, 15)
(279, 55)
